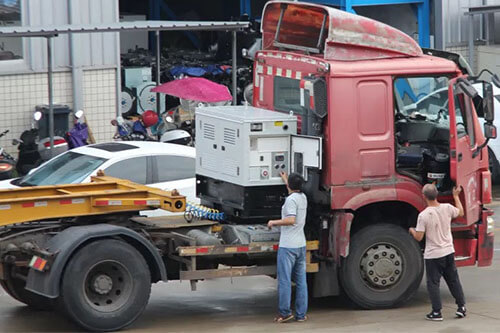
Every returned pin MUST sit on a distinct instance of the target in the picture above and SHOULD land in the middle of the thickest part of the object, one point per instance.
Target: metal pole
(471, 43)
(158, 63)
(51, 95)
(234, 69)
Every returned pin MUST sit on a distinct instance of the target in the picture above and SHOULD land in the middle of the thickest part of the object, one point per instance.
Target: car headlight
(490, 225)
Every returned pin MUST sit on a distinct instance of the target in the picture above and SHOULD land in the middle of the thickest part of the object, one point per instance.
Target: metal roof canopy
(479, 10)
(51, 31)
(54, 30)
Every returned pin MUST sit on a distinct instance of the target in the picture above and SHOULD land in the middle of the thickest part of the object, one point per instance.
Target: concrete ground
(249, 305)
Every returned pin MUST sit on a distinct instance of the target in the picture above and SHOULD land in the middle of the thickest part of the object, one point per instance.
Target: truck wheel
(105, 286)
(494, 167)
(384, 267)
(15, 288)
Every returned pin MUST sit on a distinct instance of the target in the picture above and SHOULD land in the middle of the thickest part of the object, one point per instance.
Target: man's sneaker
(283, 319)
(434, 316)
(300, 320)
(461, 312)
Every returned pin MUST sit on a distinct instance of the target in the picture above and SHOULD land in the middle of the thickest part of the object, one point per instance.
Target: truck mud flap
(326, 281)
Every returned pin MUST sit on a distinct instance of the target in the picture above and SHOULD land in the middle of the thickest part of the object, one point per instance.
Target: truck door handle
(460, 156)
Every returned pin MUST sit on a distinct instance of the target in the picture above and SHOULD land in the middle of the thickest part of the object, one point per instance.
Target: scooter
(136, 129)
(33, 151)
(7, 162)
(79, 134)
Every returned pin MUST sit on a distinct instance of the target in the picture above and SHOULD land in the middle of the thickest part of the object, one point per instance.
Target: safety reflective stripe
(146, 202)
(108, 203)
(215, 250)
(290, 57)
(34, 204)
(71, 201)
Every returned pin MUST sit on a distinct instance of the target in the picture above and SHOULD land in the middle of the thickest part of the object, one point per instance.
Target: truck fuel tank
(246, 234)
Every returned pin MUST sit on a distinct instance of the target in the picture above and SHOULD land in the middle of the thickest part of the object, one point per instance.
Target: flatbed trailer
(84, 248)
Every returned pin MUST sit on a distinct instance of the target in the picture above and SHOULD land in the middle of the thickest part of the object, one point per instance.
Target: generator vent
(229, 136)
(209, 131)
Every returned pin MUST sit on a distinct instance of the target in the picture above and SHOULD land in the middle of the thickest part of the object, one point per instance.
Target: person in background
(435, 223)
(291, 263)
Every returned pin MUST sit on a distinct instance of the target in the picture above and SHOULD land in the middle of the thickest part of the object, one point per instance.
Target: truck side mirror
(490, 131)
(313, 95)
(488, 105)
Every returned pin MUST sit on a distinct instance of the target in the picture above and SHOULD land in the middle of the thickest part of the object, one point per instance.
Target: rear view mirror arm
(478, 149)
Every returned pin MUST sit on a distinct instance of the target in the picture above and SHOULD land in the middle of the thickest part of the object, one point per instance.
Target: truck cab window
(463, 109)
(287, 95)
(422, 127)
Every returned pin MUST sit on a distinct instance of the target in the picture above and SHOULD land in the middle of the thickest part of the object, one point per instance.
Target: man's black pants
(445, 267)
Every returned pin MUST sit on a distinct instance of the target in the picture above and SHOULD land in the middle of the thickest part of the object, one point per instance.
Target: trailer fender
(65, 243)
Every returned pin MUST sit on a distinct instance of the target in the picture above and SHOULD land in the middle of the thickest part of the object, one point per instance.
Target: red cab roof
(335, 34)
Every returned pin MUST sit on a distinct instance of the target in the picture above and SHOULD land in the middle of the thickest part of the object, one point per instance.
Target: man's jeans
(445, 267)
(292, 266)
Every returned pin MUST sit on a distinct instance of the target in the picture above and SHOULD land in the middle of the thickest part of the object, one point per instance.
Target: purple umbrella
(196, 89)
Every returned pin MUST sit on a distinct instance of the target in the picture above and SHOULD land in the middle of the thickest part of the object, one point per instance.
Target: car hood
(7, 184)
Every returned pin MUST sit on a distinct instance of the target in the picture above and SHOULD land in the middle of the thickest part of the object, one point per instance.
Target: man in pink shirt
(435, 223)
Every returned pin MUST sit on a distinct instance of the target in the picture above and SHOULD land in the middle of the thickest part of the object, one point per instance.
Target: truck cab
(392, 119)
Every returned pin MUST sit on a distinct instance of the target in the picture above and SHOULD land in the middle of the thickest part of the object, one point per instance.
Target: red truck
(386, 119)
(392, 119)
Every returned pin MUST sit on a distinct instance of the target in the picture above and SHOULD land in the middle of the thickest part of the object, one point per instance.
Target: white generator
(241, 151)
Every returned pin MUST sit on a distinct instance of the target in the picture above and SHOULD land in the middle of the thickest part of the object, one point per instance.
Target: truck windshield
(427, 96)
(66, 168)
(287, 95)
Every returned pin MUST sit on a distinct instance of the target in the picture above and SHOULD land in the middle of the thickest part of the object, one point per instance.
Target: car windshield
(66, 168)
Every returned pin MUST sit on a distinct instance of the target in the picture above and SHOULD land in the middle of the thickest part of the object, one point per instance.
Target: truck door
(305, 153)
(463, 166)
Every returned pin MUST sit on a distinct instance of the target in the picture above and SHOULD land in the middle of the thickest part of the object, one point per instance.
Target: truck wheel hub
(103, 284)
(381, 266)
(108, 286)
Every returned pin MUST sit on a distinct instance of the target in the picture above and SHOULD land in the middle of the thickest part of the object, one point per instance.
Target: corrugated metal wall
(98, 49)
(456, 23)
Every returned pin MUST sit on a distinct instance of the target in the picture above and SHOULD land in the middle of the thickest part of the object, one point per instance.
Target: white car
(160, 165)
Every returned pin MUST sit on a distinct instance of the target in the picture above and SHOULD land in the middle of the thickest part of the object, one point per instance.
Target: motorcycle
(130, 130)
(34, 151)
(7, 162)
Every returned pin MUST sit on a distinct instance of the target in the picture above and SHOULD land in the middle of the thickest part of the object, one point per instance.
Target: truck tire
(384, 267)
(105, 286)
(15, 288)
(494, 167)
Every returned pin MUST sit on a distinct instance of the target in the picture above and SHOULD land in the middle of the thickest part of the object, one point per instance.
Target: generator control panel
(247, 146)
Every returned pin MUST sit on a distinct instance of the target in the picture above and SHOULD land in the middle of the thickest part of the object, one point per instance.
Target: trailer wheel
(105, 286)
(384, 267)
(15, 288)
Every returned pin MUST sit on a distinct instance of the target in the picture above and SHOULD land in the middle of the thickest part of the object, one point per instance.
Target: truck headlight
(491, 225)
